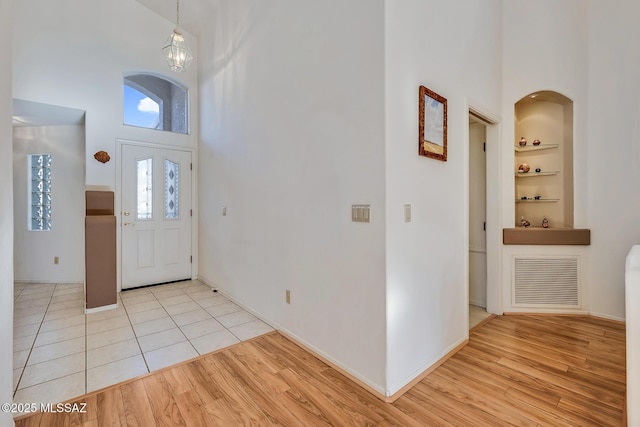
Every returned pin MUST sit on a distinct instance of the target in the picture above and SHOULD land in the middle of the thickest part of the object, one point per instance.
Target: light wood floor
(516, 370)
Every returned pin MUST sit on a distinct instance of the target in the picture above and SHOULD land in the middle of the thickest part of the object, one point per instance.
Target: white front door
(155, 215)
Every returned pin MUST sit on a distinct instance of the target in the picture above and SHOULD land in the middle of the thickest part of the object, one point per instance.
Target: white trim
(392, 390)
(608, 317)
(494, 175)
(48, 282)
(99, 309)
(477, 303)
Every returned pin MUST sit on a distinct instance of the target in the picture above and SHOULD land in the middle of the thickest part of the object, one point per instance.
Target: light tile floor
(476, 315)
(60, 353)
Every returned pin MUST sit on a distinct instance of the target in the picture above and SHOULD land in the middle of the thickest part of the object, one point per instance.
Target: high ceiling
(194, 14)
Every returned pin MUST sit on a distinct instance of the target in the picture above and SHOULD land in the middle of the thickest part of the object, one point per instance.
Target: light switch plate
(407, 213)
(360, 213)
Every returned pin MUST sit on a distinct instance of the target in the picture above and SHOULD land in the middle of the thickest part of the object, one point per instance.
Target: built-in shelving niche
(548, 117)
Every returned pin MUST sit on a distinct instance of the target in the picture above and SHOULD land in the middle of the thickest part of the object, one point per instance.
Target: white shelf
(534, 174)
(525, 148)
(531, 200)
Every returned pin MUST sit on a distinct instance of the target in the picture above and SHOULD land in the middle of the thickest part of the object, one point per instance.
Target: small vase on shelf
(524, 168)
(522, 142)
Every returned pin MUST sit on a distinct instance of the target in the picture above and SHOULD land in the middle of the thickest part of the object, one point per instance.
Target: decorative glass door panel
(171, 190)
(144, 189)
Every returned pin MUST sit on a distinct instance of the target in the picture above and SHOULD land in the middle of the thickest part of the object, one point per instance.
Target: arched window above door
(155, 103)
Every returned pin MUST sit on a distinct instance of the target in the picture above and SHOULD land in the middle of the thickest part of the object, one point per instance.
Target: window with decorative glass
(40, 192)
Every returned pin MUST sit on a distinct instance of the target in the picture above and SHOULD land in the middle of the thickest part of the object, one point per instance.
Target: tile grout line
(124, 306)
(35, 338)
(174, 322)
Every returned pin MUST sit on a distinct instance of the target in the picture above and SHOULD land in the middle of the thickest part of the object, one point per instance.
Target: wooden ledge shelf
(545, 236)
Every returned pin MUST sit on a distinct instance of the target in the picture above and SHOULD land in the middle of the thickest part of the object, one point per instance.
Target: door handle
(126, 213)
(129, 224)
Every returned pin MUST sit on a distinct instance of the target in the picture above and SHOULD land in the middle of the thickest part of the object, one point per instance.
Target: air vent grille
(546, 282)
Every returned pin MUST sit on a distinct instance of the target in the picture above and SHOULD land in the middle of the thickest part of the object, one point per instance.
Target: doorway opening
(477, 221)
(483, 269)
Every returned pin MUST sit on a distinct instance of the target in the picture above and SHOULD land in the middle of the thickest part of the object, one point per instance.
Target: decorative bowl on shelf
(524, 168)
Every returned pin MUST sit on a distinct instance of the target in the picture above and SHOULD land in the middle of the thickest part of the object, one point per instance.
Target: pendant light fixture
(176, 50)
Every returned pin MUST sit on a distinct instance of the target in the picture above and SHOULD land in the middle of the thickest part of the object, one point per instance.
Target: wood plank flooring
(516, 370)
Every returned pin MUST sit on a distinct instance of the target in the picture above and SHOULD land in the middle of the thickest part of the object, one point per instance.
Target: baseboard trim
(482, 323)
(395, 396)
(591, 316)
(545, 313)
(99, 309)
(48, 282)
(482, 304)
(333, 365)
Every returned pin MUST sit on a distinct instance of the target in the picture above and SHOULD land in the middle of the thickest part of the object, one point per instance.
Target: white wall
(614, 149)
(34, 251)
(454, 49)
(74, 53)
(292, 113)
(545, 48)
(6, 218)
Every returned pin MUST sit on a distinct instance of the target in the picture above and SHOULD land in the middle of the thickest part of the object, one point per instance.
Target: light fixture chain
(177, 13)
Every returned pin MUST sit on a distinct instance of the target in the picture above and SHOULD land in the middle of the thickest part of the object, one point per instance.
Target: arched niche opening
(544, 160)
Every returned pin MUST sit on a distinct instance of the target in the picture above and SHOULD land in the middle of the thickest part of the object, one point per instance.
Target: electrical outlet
(287, 296)
(56, 260)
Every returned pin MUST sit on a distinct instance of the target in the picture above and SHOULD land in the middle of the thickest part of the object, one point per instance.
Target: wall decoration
(522, 142)
(432, 125)
(102, 156)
